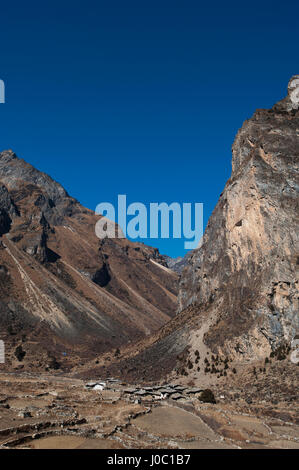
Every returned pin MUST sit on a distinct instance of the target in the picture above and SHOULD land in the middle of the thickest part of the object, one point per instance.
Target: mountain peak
(15, 171)
(7, 155)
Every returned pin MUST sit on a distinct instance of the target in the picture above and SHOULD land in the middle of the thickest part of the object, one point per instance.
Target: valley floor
(55, 411)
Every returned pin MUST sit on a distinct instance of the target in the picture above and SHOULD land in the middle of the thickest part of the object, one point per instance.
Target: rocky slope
(63, 289)
(179, 263)
(238, 295)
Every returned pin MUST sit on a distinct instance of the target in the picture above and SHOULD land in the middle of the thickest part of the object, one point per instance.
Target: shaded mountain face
(179, 263)
(62, 287)
(238, 294)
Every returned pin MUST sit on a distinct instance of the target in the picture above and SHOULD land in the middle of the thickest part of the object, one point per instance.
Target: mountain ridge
(62, 285)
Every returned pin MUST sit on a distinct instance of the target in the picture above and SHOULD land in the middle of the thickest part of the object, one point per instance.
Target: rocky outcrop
(246, 270)
(7, 210)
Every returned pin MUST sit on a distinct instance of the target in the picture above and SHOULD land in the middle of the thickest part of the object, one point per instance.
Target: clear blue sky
(140, 97)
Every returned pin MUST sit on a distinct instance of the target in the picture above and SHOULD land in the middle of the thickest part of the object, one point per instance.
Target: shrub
(207, 396)
(54, 364)
(20, 353)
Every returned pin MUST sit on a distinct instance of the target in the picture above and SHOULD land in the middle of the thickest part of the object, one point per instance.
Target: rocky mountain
(63, 289)
(238, 296)
(179, 263)
(247, 266)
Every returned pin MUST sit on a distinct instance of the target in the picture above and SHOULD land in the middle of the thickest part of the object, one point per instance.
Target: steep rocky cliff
(246, 270)
(61, 288)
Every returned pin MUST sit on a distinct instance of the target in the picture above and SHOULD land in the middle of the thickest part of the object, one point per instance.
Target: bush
(183, 371)
(54, 364)
(282, 351)
(20, 353)
(207, 396)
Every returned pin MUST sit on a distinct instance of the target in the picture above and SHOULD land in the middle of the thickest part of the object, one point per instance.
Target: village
(115, 389)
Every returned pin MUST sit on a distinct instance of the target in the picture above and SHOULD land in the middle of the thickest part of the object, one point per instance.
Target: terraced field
(63, 412)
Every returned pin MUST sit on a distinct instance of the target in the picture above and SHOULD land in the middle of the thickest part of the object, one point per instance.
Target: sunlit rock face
(294, 90)
(246, 271)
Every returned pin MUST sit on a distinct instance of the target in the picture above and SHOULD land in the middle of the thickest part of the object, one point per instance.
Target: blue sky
(141, 98)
